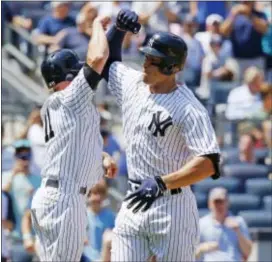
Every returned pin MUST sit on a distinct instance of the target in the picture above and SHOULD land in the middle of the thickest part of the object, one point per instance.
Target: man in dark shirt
(50, 25)
(76, 38)
(246, 26)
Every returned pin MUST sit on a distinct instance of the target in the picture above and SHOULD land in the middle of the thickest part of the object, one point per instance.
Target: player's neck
(163, 87)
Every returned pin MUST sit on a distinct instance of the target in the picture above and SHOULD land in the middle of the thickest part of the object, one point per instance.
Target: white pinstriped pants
(169, 230)
(60, 222)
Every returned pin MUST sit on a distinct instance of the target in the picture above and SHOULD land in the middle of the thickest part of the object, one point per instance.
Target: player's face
(151, 70)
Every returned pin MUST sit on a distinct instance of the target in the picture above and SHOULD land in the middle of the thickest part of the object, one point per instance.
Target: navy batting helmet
(170, 48)
(61, 65)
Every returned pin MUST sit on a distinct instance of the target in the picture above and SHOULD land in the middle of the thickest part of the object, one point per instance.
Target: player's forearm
(195, 170)
(245, 244)
(98, 50)
(26, 225)
(259, 24)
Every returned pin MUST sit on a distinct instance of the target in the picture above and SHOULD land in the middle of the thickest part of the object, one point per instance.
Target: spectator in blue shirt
(49, 26)
(202, 9)
(21, 184)
(246, 27)
(100, 220)
(76, 38)
(223, 237)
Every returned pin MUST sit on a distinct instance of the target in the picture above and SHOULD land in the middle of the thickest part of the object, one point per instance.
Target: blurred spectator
(246, 27)
(7, 225)
(223, 237)
(202, 9)
(27, 231)
(89, 11)
(100, 219)
(76, 38)
(20, 183)
(213, 23)
(245, 101)
(34, 133)
(122, 177)
(246, 149)
(111, 146)
(216, 66)
(192, 71)
(7, 158)
(154, 16)
(49, 26)
(267, 43)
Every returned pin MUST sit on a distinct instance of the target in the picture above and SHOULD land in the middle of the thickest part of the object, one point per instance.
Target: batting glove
(128, 21)
(149, 190)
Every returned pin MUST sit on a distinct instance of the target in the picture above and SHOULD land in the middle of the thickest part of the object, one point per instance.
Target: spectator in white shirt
(35, 134)
(216, 66)
(192, 71)
(213, 23)
(245, 101)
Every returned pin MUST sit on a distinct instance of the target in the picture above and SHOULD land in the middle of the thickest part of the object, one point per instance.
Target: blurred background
(229, 68)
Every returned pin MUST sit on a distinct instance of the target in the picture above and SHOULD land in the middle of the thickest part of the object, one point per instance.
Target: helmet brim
(151, 51)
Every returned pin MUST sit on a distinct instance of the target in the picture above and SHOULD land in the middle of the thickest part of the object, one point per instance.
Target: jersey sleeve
(119, 78)
(198, 132)
(78, 95)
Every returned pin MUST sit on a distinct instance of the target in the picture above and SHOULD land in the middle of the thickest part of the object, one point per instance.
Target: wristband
(161, 184)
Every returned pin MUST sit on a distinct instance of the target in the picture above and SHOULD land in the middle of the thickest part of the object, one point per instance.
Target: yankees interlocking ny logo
(160, 126)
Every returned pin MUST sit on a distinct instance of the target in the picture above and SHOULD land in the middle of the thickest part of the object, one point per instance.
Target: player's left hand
(128, 21)
(149, 190)
(109, 166)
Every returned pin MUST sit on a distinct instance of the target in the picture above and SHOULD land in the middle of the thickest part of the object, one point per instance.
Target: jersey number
(50, 134)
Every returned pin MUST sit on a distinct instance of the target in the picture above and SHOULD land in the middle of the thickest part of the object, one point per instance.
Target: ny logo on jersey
(159, 124)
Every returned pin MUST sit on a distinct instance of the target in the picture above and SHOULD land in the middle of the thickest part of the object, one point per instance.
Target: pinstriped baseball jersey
(162, 131)
(73, 140)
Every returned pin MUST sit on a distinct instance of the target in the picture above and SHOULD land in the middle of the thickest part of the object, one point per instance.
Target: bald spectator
(245, 101)
(223, 237)
(76, 38)
(213, 23)
(246, 26)
(50, 25)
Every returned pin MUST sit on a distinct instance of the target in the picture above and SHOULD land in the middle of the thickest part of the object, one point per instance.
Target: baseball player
(73, 161)
(170, 145)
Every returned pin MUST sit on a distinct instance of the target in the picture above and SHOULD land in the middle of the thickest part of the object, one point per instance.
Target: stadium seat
(232, 184)
(201, 200)
(259, 186)
(239, 202)
(260, 218)
(203, 212)
(267, 200)
(245, 170)
(230, 155)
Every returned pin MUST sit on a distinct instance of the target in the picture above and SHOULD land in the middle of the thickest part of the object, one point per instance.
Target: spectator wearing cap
(76, 38)
(202, 9)
(213, 23)
(49, 26)
(246, 26)
(20, 183)
(216, 66)
(245, 101)
(192, 70)
(223, 237)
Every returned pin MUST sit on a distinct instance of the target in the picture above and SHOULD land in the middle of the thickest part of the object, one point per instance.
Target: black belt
(134, 184)
(55, 184)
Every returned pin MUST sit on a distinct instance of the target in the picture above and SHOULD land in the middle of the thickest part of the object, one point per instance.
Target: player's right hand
(128, 21)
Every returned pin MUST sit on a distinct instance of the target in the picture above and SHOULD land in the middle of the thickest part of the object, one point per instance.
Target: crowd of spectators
(228, 43)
